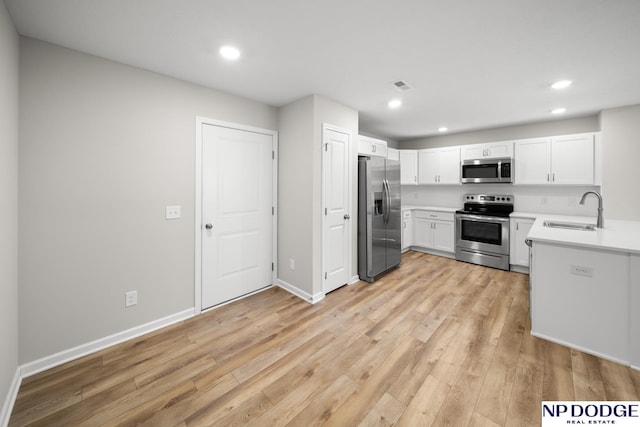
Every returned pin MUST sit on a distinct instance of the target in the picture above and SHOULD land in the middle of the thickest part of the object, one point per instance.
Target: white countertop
(429, 208)
(617, 235)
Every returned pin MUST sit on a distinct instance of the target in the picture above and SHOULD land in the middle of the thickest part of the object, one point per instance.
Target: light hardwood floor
(436, 342)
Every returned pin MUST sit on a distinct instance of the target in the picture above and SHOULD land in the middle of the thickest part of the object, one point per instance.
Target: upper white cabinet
(408, 167)
(487, 151)
(533, 161)
(393, 154)
(368, 146)
(439, 166)
(561, 160)
(572, 159)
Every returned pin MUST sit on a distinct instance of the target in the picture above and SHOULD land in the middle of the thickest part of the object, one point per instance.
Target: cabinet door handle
(547, 177)
(517, 226)
(553, 177)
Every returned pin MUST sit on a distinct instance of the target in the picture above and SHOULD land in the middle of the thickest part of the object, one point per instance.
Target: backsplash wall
(537, 199)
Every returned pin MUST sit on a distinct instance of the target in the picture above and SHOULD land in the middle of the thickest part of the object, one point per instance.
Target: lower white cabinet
(580, 298)
(433, 230)
(519, 251)
(407, 229)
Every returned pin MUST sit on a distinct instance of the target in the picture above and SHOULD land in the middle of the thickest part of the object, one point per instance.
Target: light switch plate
(173, 212)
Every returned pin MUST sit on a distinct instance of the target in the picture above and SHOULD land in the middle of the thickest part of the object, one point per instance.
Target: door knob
(347, 216)
(208, 226)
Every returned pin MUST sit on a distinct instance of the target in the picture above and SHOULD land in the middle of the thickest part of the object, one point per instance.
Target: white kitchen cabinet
(439, 166)
(408, 167)
(393, 154)
(407, 229)
(433, 230)
(532, 161)
(487, 151)
(581, 298)
(561, 160)
(368, 146)
(519, 251)
(572, 159)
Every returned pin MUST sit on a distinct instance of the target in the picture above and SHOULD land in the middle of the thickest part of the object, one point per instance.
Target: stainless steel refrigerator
(379, 216)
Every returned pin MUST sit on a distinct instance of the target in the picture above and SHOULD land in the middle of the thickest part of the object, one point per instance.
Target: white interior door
(336, 205)
(237, 221)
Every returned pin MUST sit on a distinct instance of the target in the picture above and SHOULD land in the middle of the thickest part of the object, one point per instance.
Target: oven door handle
(483, 218)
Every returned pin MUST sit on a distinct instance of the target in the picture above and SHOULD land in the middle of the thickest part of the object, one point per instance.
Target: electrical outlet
(582, 271)
(292, 264)
(130, 298)
(172, 212)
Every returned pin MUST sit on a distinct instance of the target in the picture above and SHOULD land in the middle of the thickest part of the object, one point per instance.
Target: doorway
(235, 211)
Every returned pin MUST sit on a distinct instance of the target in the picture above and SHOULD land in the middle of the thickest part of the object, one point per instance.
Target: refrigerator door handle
(388, 202)
(387, 199)
(384, 202)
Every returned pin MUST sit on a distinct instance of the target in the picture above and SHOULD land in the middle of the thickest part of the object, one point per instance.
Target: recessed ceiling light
(229, 52)
(558, 111)
(394, 103)
(443, 129)
(562, 84)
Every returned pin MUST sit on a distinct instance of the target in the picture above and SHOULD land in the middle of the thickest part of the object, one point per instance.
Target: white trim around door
(342, 209)
(200, 122)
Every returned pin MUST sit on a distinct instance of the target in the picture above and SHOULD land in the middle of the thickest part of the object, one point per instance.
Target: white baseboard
(64, 356)
(355, 279)
(519, 269)
(582, 349)
(300, 293)
(9, 401)
(433, 252)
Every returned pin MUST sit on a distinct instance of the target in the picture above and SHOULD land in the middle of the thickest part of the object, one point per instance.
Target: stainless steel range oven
(482, 230)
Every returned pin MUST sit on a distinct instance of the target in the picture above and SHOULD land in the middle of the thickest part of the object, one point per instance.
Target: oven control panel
(489, 198)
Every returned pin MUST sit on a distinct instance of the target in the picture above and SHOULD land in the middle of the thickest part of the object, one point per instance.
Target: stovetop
(487, 205)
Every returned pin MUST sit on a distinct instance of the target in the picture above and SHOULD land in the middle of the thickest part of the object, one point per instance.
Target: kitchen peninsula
(585, 287)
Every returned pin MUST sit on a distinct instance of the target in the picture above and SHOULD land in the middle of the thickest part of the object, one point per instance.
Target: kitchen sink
(569, 225)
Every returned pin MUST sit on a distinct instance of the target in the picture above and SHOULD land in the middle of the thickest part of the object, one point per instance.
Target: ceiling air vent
(401, 86)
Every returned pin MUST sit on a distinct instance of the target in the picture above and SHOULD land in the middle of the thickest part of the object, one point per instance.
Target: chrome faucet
(600, 221)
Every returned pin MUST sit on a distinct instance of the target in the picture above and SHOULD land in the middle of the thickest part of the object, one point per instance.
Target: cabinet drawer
(442, 216)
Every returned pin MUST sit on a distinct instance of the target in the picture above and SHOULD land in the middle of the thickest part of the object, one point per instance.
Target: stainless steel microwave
(487, 171)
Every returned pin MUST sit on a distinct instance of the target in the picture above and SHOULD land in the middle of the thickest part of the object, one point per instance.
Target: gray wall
(300, 187)
(8, 202)
(530, 130)
(620, 155)
(104, 148)
(295, 201)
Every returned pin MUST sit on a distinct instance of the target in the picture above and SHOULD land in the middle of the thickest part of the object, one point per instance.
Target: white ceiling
(472, 64)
